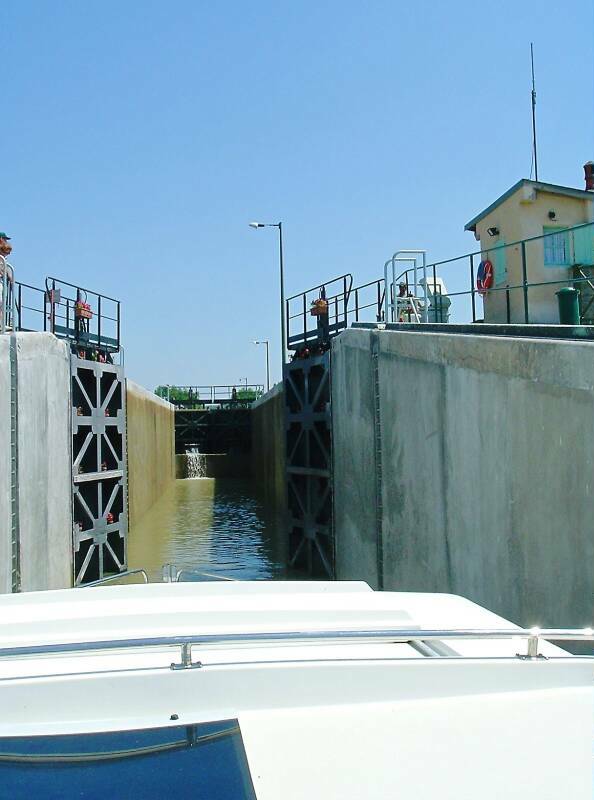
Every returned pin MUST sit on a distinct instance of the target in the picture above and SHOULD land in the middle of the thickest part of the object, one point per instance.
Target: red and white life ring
(484, 277)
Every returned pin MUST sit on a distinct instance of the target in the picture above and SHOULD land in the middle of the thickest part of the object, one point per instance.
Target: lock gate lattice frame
(309, 464)
(99, 469)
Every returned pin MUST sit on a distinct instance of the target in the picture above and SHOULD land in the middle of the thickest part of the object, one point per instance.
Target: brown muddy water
(207, 525)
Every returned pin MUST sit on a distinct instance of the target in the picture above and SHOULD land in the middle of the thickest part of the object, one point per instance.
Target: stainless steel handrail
(386, 635)
(200, 572)
(115, 578)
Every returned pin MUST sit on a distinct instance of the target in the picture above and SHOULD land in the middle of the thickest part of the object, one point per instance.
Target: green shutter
(583, 246)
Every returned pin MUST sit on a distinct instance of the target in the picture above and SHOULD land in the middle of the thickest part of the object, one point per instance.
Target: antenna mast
(534, 114)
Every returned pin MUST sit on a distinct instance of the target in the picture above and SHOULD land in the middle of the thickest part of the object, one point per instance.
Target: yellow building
(530, 209)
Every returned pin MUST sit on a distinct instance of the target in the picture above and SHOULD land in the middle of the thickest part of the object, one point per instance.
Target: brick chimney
(589, 175)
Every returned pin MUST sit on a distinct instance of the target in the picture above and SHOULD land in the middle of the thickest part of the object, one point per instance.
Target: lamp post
(278, 225)
(266, 342)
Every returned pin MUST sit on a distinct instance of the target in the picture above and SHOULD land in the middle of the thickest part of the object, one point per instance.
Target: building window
(556, 248)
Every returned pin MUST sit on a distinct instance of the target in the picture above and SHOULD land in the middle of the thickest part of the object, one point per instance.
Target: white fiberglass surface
(516, 746)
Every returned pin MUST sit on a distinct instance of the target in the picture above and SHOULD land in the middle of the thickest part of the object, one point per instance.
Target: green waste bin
(569, 305)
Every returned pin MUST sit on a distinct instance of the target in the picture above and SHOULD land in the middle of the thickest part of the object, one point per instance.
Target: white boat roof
(119, 612)
(364, 717)
(224, 609)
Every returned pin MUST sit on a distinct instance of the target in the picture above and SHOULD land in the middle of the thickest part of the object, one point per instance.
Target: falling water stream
(196, 463)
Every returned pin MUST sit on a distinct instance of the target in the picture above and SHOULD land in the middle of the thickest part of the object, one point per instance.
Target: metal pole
(393, 294)
(98, 322)
(282, 293)
(267, 366)
(426, 312)
(386, 293)
(525, 282)
(472, 297)
(534, 115)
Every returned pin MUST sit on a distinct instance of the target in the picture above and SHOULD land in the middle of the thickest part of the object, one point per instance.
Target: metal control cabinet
(99, 469)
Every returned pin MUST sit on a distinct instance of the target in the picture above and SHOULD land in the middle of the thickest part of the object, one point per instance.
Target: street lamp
(278, 225)
(266, 342)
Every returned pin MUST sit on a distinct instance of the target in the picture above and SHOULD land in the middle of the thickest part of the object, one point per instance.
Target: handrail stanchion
(472, 289)
(287, 324)
(393, 292)
(525, 281)
(53, 306)
(434, 298)
(426, 311)
(507, 305)
(304, 317)
(387, 310)
(99, 322)
(379, 302)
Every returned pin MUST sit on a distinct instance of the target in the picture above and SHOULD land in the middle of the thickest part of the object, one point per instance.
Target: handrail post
(304, 317)
(53, 306)
(393, 294)
(472, 289)
(379, 302)
(426, 308)
(386, 293)
(287, 324)
(525, 282)
(434, 299)
(99, 321)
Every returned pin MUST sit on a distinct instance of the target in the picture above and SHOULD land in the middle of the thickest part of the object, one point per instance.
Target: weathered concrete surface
(268, 448)
(487, 452)
(5, 510)
(44, 474)
(150, 437)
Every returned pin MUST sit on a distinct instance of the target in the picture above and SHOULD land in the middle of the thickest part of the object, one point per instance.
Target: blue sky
(140, 138)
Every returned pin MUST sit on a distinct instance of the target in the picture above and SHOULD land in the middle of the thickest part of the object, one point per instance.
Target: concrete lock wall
(150, 437)
(486, 489)
(5, 503)
(44, 465)
(268, 448)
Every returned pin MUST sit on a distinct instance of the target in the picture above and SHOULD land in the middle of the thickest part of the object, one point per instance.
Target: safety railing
(506, 283)
(200, 396)
(533, 638)
(368, 302)
(89, 319)
(117, 577)
(503, 283)
(318, 313)
(172, 574)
